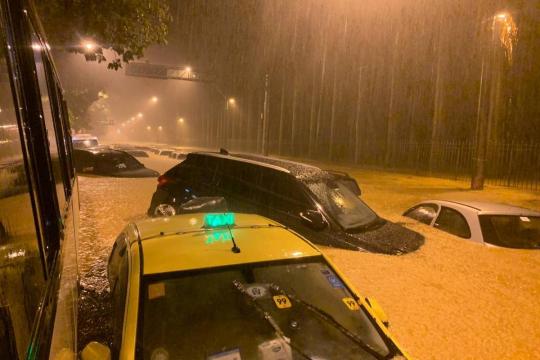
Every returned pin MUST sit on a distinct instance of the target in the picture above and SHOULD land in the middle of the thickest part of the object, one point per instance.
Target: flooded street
(452, 299)
(107, 206)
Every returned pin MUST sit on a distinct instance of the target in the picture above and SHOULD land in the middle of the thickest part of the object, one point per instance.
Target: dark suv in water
(323, 206)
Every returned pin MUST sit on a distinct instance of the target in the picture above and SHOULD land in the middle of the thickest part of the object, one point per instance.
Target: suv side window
(237, 178)
(285, 193)
(424, 213)
(451, 221)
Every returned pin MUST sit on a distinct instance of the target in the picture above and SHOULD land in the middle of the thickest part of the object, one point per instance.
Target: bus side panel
(64, 338)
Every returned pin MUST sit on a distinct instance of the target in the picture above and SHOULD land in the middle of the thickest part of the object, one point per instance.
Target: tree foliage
(126, 27)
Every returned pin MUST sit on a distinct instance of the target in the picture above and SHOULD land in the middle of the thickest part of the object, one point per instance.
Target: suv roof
(302, 172)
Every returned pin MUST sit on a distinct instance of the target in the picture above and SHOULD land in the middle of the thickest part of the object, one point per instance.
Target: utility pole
(265, 129)
(487, 112)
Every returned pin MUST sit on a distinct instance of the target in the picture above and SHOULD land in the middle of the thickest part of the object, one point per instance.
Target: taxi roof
(180, 243)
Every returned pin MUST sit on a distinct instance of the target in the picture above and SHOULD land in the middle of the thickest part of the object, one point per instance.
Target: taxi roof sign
(216, 220)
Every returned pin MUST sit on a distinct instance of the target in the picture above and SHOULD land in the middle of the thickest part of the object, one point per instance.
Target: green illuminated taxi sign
(218, 220)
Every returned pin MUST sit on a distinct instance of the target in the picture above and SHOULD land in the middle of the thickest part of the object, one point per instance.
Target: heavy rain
(401, 139)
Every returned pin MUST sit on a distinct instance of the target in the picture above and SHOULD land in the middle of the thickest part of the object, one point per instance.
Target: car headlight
(164, 210)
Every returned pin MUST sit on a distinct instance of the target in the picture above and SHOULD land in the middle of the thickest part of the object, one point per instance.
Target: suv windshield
(251, 310)
(519, 232)
(342, 204)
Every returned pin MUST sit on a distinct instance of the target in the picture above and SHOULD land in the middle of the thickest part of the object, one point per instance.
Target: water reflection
(107, 205)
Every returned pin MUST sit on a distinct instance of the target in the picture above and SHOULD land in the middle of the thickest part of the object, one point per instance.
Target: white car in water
(482, 222)
(83, 141)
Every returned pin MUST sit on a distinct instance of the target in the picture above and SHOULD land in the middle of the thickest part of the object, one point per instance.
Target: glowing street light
(160, 128)
(154, 99)
(88, 45)
(231, 102)
(140, 115)
(188, 69)
(181, 120)
(148, 128)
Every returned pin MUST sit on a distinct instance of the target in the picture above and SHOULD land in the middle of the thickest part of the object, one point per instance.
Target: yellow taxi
(230, 286)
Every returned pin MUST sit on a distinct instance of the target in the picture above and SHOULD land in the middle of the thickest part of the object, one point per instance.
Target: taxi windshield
(251, 312)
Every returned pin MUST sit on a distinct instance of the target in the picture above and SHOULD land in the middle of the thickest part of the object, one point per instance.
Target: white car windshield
(520, 232)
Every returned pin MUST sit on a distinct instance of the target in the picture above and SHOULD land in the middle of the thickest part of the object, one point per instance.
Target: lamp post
(266, 130)
(222, 131)
(487, 114)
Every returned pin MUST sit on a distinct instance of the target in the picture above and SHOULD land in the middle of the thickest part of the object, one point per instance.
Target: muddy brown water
(107, 206)
(452, 299)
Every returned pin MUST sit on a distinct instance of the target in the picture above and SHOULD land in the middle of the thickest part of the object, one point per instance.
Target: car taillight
(163, 180)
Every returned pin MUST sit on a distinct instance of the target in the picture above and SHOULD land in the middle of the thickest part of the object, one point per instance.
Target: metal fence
(512, 164)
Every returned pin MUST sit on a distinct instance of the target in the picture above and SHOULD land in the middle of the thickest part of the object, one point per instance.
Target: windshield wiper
(266, 315)
(331, 320)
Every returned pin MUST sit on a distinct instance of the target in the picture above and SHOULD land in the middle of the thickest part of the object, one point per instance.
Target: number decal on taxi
(282, 302)
(351, 304)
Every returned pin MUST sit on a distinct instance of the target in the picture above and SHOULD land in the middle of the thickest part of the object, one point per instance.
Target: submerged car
(109, 162)
(84, 141)
(234, 286)
(320, 205)
(134, 151)
(165, 152)
(482, 222)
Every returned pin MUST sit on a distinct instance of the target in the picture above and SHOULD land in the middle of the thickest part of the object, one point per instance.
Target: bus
(38, 196)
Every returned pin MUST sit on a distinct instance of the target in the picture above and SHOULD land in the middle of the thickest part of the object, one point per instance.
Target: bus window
(55, 149)
(21, 273)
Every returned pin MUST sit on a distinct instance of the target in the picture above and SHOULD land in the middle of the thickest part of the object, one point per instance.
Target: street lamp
(188, 69)
(154, 99)
(503, 27)
(88, 45)
(160, 128)
(148, 128)
(181, 120)
(140, 115)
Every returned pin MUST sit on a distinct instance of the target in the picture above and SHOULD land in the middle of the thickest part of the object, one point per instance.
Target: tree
(79, 101)
(126, 27)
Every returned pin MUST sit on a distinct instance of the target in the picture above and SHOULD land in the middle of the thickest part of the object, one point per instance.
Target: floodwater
(452, 299)
(107, 206)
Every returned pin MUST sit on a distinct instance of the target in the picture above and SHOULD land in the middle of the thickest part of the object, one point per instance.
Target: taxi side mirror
(96, 351)
(377, 309)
